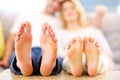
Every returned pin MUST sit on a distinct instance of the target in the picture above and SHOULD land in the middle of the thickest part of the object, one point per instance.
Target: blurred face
(53, 6)
(69, 12)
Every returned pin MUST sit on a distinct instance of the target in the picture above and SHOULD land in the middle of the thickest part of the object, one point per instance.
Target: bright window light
(23, 6)
(118, 9)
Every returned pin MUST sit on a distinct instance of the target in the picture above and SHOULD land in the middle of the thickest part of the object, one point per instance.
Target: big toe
(91, 40)
(51, 33)
(85, 41)
(80, 41)
(28, 27)
(71, 43)
(97, 44)
(20, 32)
(44, 28)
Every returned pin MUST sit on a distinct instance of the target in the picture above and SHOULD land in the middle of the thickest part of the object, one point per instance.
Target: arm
(8, 51)
(100, 13)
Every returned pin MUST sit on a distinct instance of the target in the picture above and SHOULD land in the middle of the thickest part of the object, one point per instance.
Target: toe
(80, 40)
(19, 33)
(21, 29)
(17, 39)
(52, 34)
(91, 40)
(97, 44)
(44, 28)
(50, 30)
(55, 39)
(68, 47)
(28, 27)
(86, 41)
(73, 41)
(70, 44)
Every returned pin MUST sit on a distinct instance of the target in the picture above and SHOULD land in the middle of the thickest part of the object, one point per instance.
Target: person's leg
(92, 54)
(22, 61)
(48, 44)
(36, 56)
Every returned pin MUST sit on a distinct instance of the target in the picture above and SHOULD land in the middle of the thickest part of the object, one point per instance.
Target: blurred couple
(40, 50)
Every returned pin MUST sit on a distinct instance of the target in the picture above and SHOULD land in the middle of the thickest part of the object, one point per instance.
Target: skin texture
(48, 43)
(74, 54)
(92, 53)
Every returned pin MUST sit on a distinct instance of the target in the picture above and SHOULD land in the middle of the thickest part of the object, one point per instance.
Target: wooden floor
(111, 75)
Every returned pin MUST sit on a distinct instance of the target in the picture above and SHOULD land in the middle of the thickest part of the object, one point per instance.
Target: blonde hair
(79, 8)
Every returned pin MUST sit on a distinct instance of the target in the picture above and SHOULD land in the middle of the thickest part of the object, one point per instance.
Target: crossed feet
(74, 53)
(23, 44)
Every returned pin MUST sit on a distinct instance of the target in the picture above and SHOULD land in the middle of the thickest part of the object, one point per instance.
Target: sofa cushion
(111, 29)
(7, 18)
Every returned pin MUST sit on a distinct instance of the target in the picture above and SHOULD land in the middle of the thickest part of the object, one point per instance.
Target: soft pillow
(111, 29)
(2, 45)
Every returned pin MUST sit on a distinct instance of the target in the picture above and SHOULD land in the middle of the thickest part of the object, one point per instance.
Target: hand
(101, 10)
(4, 64)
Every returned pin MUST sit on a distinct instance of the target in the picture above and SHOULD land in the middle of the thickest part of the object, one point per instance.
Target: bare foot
(49, 50)
(23, 44)
(92, 53)
(74, 54)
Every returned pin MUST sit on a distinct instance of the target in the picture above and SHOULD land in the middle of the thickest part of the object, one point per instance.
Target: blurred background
(25, 6)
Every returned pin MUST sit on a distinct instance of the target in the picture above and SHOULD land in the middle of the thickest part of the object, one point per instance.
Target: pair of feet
(74, 53)
(23, 44)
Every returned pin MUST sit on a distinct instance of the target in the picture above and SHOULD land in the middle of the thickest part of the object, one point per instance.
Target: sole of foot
(23, 42)
(92, 53)
(48, 43)
(74, 54)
